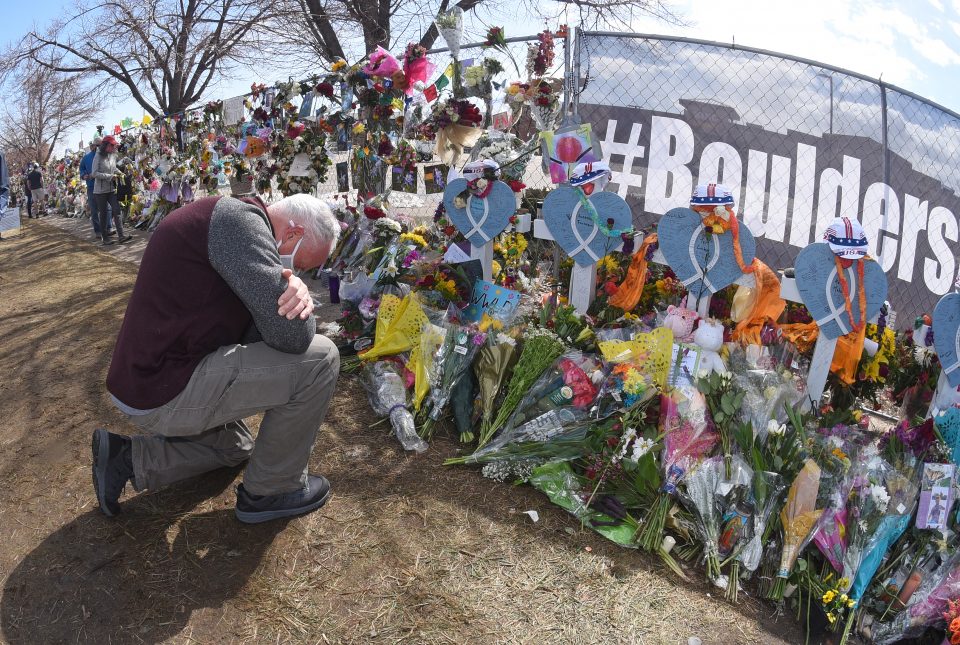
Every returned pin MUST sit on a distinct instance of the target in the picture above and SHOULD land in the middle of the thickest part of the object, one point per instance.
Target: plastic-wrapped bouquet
(687, 438)
(388, 397)
(450, 26)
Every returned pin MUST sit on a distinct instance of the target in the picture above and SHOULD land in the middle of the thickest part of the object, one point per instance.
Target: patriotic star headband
(585, 173)
(712, 195)
(846, 238)
(479, 168)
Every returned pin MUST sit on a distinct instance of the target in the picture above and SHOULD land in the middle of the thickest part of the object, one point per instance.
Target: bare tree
(165, 53)
(42, 107)
(331, 29)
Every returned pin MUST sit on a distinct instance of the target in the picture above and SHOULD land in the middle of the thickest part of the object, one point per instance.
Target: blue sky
(914, 45)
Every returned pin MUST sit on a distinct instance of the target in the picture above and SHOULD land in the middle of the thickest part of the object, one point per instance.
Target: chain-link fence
(799, 142)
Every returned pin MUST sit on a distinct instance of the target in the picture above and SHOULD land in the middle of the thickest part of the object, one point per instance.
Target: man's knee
(325, 357)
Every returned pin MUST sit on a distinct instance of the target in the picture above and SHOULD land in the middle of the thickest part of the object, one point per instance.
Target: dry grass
(406, 551)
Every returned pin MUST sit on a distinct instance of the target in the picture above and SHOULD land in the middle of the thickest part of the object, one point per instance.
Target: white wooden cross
(583, 279)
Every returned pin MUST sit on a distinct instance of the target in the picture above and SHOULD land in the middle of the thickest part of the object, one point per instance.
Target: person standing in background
(104, 192)
(86, 168)
(4, 183)
(35, 181)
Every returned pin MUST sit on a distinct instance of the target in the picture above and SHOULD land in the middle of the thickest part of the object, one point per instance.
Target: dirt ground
(405, 551)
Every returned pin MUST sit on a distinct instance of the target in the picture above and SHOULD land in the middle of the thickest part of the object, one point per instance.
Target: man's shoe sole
(101, 456)
(255, 517)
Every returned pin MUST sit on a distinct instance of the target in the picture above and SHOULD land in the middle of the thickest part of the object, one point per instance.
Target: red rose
(372, 212)
(516, 185)
(449, 230)
(325, 89)
(610, 288)
(543, 100)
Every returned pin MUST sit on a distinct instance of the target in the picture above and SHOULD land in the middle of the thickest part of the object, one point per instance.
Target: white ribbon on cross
(701, 274)
(837, 314)
(583, 244)
(477, 226)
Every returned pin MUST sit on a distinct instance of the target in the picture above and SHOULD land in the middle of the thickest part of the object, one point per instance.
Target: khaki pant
(202, 428)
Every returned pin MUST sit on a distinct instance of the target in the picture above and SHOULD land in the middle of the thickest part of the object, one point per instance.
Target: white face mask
(287, 260)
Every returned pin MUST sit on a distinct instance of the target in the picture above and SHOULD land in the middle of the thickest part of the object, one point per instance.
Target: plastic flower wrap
(767, 388)
(925, 607)
(767, 489)
(388, 397)
(493, 362)
(699, 496)
(398, 326)
(450, 26)
(900, 491)
(687, 438)
(451, 361)
(799, 519)
(382, 64)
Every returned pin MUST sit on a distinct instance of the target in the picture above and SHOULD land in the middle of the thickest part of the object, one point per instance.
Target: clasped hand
(295, 300)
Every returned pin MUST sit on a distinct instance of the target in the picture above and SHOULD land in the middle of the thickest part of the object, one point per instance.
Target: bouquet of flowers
(388, 397)
(699, 496)
(494, 360)
(562, 395)
(450, 26)
(767, 488)
(540, 347)
(457, 124)
(451, 362)
(687, 438)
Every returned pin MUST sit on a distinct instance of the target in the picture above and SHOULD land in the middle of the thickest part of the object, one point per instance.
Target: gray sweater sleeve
(242, 250)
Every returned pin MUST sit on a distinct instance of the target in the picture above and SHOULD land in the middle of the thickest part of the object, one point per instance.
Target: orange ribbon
(767, 305)
(629, 292)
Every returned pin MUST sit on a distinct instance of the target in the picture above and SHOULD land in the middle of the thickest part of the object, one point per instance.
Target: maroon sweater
(211, 269)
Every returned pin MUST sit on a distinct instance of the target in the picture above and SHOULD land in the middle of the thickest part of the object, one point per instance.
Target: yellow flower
(851, 602)
(831, 617)
(607, 263)
(843, 582)
(358, 128)
(514, 89)
(338, 65)
(627, 316)
(857, 414)
(839, 454)
(829, 596)
(496, 268)
(487, 321)
(413, 237)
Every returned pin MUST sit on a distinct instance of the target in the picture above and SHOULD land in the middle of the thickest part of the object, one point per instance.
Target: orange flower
(955, 625)
(955, 639)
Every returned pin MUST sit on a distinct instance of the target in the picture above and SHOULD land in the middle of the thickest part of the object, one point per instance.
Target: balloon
(568, 149)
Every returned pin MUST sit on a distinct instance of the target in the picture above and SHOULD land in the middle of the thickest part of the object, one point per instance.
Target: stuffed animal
(680, 320)
(709, 337)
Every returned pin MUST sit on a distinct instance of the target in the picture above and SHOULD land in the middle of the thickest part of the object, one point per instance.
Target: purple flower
(479, 339)
(411, 257)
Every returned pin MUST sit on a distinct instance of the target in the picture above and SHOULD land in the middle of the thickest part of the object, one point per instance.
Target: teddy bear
(680, 320)
(709, 338)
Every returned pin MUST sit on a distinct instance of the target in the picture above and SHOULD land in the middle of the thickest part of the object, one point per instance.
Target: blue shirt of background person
(86, 167)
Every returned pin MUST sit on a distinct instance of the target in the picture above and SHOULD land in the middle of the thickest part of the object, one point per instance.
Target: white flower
(628, 436)
(770, 392)
(774, 429)
(390, 269)
(880, 497)
(641, 447)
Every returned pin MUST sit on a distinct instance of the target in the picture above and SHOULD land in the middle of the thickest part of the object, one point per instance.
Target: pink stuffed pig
(680, 320)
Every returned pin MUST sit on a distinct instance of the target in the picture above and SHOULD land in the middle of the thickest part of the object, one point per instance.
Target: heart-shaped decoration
(704, 263)
(483, 218)
(946, 336)
(574, 229)
(820, 290)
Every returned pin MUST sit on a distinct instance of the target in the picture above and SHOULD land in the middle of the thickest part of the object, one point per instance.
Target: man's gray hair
(319, 222)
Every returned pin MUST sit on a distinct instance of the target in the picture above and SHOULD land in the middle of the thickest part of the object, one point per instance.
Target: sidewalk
(132, 252)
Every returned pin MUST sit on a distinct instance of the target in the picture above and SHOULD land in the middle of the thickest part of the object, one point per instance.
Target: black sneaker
(106, 243)
(125, 239)
(112, 468)
(252, 509)
(111, 232)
